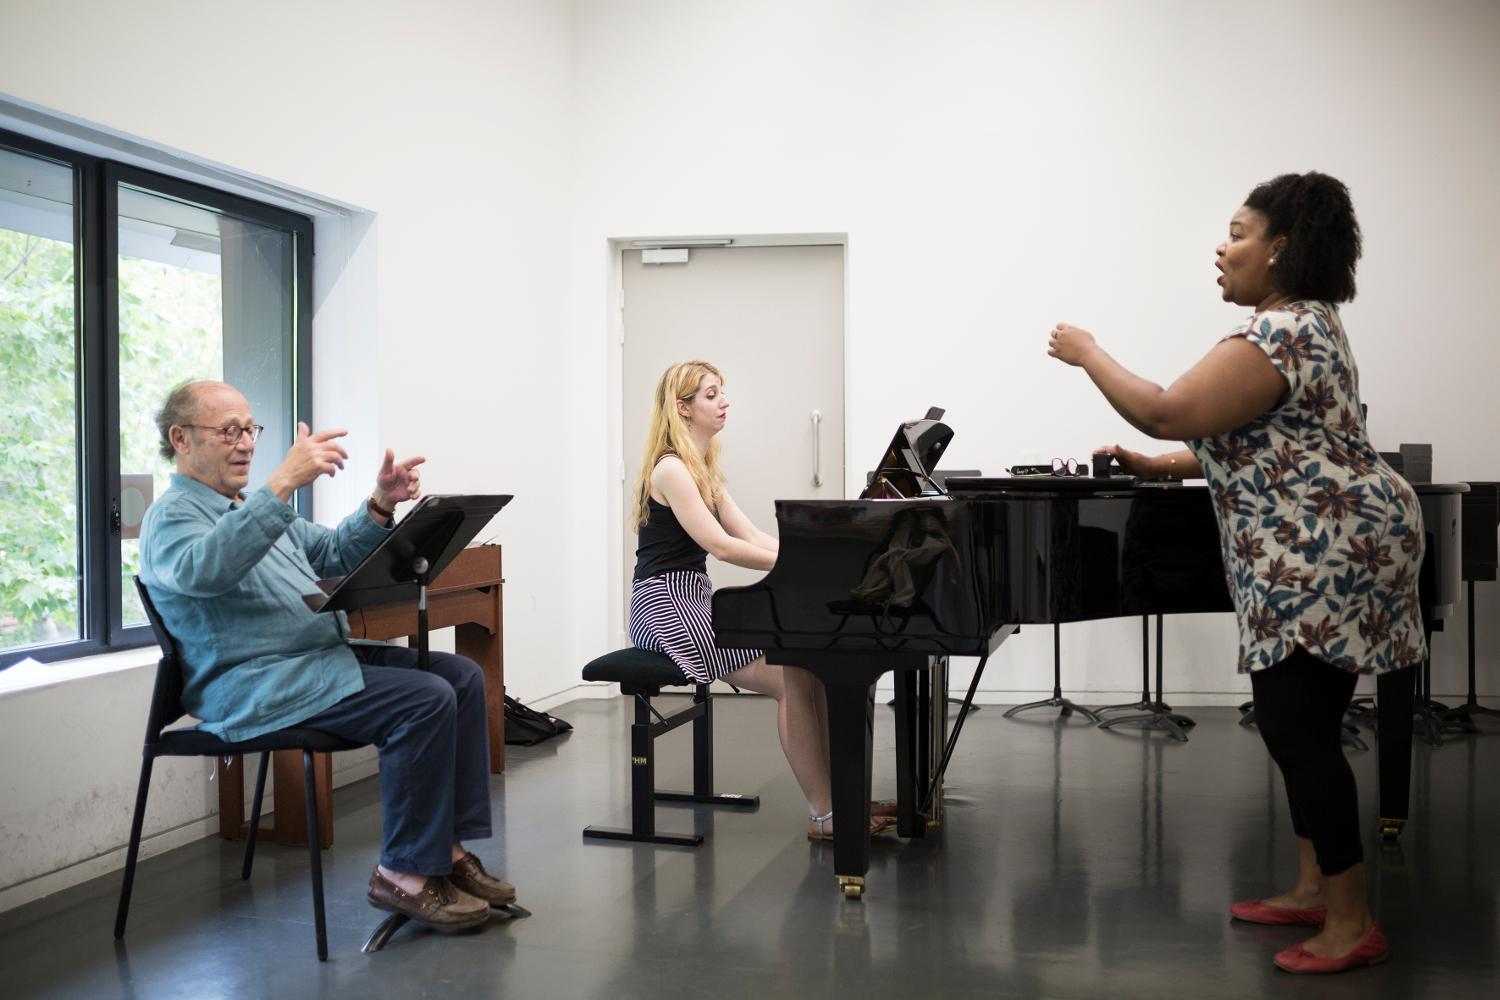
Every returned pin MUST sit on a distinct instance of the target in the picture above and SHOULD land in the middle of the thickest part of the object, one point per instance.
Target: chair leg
(313, 852)
(260, 791)
(134, 850)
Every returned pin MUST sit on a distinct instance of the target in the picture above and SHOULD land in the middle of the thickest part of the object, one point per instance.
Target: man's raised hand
(311, 455)
(398, 481)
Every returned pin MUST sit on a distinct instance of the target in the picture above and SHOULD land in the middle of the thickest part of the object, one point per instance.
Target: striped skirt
(672, 614)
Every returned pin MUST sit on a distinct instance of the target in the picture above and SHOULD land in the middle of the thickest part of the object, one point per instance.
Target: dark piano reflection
(901, 570)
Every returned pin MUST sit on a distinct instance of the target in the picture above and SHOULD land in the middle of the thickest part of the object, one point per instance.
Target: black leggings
(1299, 709)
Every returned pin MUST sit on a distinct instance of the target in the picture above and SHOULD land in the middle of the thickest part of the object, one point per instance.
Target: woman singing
(1321, 540)
(683, 513)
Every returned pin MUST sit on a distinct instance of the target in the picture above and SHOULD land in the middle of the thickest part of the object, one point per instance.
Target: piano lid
(906, 468)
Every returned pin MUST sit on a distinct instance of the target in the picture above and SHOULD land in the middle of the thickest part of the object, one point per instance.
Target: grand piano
(916, 571)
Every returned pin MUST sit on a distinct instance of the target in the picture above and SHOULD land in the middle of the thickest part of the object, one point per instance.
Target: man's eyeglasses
(230, 433)
(1060, 467)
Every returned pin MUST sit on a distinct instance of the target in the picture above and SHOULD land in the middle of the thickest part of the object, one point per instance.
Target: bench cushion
(636, 667)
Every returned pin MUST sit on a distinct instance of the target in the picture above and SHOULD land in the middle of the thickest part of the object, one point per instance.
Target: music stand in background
(420, 547)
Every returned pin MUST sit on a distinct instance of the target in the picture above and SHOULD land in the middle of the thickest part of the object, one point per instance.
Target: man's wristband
(375, 508)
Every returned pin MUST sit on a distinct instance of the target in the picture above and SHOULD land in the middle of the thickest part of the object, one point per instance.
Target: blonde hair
(669, 435)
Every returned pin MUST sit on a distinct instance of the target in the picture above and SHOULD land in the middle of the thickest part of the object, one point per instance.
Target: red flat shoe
(1371, 951)
(1257, 911)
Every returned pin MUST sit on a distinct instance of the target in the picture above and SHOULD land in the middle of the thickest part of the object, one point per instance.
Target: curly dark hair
(1314, 213)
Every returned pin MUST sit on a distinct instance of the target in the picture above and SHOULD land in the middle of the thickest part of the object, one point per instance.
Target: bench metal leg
(703, 764)
(642, 791)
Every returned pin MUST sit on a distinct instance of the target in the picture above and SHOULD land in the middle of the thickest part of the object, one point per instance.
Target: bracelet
(1171, 467)
(375, 508)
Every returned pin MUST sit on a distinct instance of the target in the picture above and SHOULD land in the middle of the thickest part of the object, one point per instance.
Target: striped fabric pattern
(671, 613)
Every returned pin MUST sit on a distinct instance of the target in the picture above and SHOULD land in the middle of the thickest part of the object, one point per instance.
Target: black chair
(642, 675)
(166, 708)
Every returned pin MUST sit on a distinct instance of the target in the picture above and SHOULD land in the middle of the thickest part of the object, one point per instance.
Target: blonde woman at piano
(684, 513)
(1322, 540)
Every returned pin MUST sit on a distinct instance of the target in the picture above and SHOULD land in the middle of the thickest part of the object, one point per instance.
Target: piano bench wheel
(853, 886)
(1390, 829)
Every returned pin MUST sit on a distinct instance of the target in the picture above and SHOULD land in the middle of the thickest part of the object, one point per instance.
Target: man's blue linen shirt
(228, 580)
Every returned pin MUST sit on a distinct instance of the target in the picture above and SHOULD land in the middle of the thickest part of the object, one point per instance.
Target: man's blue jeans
(431, 731)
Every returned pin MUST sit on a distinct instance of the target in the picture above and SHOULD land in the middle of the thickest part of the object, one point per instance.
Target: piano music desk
(467, 597)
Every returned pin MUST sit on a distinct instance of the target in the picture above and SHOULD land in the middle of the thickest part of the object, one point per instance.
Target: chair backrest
(166, 694)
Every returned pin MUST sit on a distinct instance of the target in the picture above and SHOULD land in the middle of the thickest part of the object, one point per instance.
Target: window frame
(96, 182)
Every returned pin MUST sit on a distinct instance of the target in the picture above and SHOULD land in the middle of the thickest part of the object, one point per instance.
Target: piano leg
(909, 773)
(847, 678)
(851, 752)
(1394, 706)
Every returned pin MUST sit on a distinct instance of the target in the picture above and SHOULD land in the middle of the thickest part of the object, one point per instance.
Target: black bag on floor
(527, 727)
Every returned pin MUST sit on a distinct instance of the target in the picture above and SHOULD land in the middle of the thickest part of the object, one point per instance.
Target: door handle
(817, 427)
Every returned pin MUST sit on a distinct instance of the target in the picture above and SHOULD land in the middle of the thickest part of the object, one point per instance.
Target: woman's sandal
(878, 824)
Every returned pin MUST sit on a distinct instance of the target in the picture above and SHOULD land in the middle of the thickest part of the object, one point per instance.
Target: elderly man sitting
(227, 572)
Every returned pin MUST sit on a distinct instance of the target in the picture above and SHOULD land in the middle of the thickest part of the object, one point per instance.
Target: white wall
(1000, 166)
(447, 124)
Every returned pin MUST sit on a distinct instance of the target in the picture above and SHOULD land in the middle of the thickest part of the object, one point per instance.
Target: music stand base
(1463, 715)
(1159, 716)
(393, 923)
(1067, 707)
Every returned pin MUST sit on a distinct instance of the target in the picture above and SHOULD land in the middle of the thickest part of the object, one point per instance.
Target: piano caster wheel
(1390, 829)
(853, 886)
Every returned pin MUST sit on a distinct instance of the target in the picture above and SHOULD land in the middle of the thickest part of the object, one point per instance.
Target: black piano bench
(642, 675)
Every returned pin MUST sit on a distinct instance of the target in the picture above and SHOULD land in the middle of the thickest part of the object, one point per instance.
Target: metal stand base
(1159, 716)
(1057, 700)
(1153, 714)
(1144, 705)
(393, 923)
(1068, 708)
(1349, 737)
(1461, 718)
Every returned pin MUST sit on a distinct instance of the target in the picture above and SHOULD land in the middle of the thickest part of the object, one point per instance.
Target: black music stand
(421, 546)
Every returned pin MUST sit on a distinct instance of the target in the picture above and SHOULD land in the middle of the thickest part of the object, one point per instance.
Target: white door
(770, 318)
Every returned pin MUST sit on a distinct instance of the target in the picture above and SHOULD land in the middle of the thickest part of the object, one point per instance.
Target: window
(115, 284)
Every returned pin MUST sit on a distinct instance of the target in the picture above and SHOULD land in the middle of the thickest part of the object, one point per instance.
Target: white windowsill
(35, 676)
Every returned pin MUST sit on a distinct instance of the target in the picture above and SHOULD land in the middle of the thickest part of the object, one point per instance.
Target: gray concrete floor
(1073, 863)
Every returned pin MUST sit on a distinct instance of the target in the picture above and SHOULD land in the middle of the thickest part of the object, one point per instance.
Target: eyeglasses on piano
(1063, 467)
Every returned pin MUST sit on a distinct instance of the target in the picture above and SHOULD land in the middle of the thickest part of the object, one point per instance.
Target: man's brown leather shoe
(439, 905)
(470, 876)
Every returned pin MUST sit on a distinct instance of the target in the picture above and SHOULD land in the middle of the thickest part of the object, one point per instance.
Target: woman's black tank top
(664, 546)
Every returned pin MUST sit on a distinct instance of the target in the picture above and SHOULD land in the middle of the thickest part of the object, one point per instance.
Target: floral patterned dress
(1322, 540)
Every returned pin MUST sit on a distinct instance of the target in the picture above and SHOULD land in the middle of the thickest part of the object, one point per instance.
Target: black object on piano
(906, 468)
